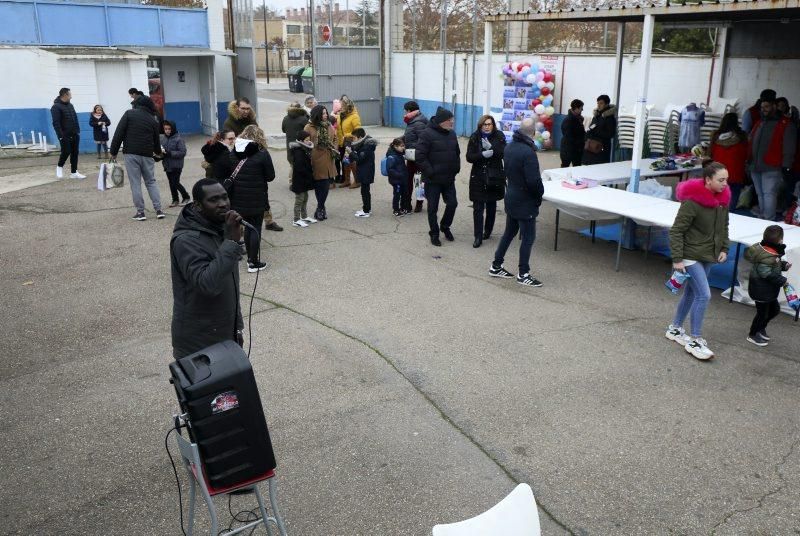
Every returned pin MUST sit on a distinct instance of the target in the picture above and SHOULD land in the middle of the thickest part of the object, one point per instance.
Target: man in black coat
(603, 128)
(65, 123)
(439, 158)
(573, 135)
(523, 198)
(138, 134)
(205, 251)
(415, 122)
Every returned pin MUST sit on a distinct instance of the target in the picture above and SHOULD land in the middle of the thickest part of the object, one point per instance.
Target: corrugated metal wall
(765, 40)
(351, 71)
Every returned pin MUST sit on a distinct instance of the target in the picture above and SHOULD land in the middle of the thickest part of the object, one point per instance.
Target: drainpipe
(414, 52)
(474, 52)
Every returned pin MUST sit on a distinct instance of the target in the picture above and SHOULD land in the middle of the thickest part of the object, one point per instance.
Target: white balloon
(539, 109)
(539, 126)
(551, 86)
(531, 78)
(546, 135)
(540, 84)
(514, 65)
(549, 111)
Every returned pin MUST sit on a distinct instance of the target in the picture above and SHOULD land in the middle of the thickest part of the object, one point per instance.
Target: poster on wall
(528, 93)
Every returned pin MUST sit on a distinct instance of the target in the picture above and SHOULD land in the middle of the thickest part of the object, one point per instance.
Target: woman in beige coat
(323, 137)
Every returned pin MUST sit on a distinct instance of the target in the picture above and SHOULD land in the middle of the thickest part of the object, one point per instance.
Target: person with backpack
(174, 153)
(362, 154)
(302, 177)
(395, 168)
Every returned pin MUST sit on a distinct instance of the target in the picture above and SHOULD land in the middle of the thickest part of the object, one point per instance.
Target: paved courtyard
(403, 387)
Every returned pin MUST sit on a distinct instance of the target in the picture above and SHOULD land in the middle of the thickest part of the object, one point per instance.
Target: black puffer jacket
(573, 136)
(218, 156)
(205, 284)
(487, 182)
(302, 173)
(137, 132)
(249, 191)
(525, 188)
(99, 133)
(65, 119)
(364, 156)
(438, 155)
(413, 129)
(602, 128)
(295, 121)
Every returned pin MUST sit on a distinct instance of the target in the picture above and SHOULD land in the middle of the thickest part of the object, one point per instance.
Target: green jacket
(766, 279)
(700, 231)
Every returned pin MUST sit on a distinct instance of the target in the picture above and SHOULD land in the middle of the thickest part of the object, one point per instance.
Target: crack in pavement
(428, 398)
(762, 499)
(30, 209)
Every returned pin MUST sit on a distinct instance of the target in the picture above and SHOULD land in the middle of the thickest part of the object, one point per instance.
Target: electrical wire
(177, 480)
(250, 313)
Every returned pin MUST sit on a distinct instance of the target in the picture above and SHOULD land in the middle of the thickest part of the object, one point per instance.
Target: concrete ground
(403, 387)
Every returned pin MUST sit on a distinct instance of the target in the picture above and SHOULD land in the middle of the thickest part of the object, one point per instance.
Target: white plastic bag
(653, 188)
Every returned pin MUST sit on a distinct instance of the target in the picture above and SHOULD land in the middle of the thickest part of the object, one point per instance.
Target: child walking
(698, 239)
(398, 175)
(174, 153)
(362, 154)
(766, 281)
(302, 177)
(100, 122)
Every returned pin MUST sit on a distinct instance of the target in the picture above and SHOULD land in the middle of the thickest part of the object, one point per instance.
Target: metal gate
(245, 82)
(351, 71)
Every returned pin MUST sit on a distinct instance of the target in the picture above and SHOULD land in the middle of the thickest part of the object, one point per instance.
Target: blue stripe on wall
(23, 120)
(186, 116)
(466, 115)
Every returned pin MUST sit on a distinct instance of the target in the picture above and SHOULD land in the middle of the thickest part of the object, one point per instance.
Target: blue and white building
(99, 50)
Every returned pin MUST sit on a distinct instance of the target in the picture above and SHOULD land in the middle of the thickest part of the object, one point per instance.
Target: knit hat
(411, 106)
(442, 115)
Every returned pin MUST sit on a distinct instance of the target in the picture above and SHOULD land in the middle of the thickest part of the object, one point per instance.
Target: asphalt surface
(403, 387)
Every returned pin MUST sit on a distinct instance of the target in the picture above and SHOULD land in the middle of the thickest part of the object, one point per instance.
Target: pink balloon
(540, 76)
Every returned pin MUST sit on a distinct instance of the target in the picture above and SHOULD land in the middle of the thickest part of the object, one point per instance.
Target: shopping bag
(102, 176)
(791, 296)
(116, 174)
(746, 197)
(419, 187)
(411, 155)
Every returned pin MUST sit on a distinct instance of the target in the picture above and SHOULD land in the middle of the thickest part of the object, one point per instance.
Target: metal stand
(735, 272)
(619, 243)
(558, 217)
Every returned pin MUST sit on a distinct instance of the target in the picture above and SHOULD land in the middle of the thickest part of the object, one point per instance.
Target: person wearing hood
(766, 281)
(729, 148)
(138, 134)
(698, 239)
(415, 122)
(240, 115)
(248, 188)
(217, 155)
(603, 128)
(348, 121)
(205, 251)
(302, 177)
(396, 171)
(68, 132)
(293, 124)
(438, 156)
(174, 153)
(323, 154)
(487, 181)
(362, 154)
(522, 201)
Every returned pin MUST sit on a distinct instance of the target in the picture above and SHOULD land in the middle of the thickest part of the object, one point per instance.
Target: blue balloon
(538, 144)
(535, 67)
(548, 100)
(536, 93)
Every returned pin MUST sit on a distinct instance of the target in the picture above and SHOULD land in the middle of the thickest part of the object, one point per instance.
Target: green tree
(366, 25)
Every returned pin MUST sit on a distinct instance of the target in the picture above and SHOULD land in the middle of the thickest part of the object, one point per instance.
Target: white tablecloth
(612, 173)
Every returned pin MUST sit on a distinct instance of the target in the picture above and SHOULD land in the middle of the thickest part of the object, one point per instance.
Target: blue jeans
(527, 231)
(767, 184)
(695, 298)
(448, 193)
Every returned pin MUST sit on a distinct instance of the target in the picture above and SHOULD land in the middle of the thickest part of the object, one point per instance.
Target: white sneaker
(310, 220)
(362, 214)
(59, 172)
(77, 175)
(698, 348)
(678, 335)
(299, 223)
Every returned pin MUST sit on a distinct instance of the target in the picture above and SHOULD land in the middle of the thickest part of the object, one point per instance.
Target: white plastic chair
(516, 515)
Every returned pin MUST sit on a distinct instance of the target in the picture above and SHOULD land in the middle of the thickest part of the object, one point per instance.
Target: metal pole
(313, 35)
(364, 7)
(443, 37)
(618, 65)
(266, 40)
(474, 53)
(414, 51)
(330, 23)
(487, 59)
(641, 102)
(508, 31)
(347, 24)
(453, 85)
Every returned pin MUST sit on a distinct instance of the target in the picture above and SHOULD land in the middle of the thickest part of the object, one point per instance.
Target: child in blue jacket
(398, 174)
(362, 153)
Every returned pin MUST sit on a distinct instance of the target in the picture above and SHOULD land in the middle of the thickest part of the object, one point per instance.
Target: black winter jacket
(487, 181)
(438, 155)
(99, 133)
(602, 128)
(525, 188)
(573, 136)
(205, 284)
(65, 119)
(137, 132)
(249, 191)
(396, 167)
(218, 156)
(295, 121)
(364, 156)
(302, 173)
(174, 150)
(414, 129)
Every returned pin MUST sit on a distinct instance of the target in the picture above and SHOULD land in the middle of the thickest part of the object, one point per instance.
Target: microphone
(246, 224)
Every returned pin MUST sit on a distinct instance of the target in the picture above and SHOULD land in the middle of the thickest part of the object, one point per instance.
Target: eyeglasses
(488, 124)
(230, 139)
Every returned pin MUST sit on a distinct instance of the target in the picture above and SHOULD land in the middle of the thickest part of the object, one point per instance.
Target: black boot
(477, 243)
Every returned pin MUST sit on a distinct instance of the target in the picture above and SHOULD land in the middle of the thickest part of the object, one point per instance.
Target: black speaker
(218, 391)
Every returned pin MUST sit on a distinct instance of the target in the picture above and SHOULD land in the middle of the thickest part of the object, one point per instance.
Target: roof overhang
(714, 11)
(176, 52)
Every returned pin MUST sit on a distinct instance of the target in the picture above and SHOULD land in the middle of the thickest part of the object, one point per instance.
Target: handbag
(229, 182)
(593, 146)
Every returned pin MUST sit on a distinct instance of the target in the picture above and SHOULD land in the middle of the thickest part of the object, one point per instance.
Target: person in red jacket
(729, 148)
(753, 114)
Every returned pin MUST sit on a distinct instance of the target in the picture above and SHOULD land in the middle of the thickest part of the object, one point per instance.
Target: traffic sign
(326, 33)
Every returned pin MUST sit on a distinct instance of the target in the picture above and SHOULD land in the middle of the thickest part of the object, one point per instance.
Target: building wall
(182, 104)
(223, 71)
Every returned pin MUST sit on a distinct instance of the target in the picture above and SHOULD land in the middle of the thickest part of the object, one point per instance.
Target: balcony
(54, 23)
